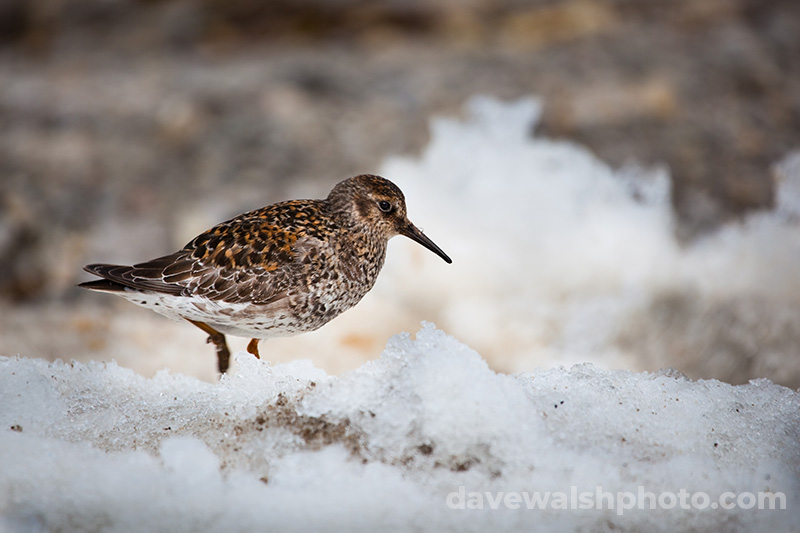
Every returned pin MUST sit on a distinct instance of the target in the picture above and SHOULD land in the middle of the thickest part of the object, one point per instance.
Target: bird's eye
(384, 206)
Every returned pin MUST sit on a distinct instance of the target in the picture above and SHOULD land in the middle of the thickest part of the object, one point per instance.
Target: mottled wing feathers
(252, 258)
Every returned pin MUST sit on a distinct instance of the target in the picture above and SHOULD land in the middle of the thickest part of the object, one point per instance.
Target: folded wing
(241, 262)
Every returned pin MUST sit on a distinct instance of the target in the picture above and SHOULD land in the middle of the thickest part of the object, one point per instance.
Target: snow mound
(560, 259)
(425, 438)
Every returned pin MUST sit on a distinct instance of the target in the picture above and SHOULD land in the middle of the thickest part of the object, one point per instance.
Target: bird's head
(375, 204)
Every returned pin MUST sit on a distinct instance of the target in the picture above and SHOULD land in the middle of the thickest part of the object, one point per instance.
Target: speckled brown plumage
(280, 270)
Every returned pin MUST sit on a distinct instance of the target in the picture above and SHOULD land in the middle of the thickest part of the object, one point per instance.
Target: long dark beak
(413, 233)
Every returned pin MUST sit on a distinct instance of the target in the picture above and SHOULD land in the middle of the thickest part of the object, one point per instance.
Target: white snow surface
(97, 447)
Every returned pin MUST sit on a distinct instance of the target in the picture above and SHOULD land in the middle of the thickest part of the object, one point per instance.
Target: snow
(560, 263)
(99, 447)
(561, 259)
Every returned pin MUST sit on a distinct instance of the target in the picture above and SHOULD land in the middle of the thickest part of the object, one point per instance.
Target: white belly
(238, 319)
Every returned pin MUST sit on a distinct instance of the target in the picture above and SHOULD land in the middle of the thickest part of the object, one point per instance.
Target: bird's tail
(105, 284)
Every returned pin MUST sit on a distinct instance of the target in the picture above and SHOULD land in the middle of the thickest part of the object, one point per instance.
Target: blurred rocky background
(128, 126)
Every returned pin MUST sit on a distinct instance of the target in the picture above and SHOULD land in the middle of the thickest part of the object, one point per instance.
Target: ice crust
(96, 447)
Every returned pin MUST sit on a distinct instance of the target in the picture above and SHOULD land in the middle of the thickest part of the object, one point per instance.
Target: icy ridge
(97, 446)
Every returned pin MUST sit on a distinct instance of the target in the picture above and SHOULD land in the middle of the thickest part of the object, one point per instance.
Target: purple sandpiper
(277, 271)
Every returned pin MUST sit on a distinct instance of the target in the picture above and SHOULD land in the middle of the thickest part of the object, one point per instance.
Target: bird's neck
(363, 255)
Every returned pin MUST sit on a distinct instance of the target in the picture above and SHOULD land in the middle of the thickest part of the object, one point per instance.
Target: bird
(278, 271)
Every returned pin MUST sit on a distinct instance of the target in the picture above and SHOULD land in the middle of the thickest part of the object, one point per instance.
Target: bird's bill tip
(414, 233)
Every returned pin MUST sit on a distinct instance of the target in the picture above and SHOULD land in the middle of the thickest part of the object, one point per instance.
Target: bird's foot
(223, 353)
(252, 347)
(218, 339)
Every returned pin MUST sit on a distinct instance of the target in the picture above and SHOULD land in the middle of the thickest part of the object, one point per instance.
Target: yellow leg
(214, 336)
(252, 347)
